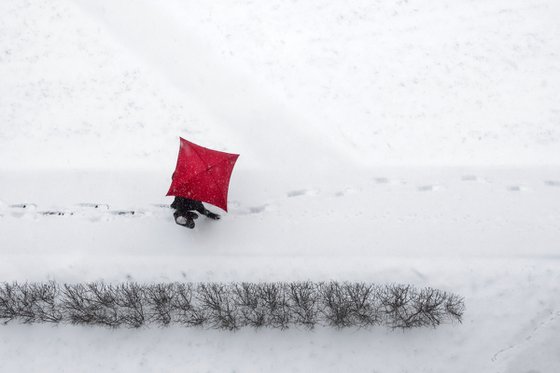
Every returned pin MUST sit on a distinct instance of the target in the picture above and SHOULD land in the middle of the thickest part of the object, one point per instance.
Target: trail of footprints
(311, 192)
(97, 210)
(92, 210)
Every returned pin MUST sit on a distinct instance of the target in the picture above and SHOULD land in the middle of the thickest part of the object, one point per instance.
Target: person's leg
(201, 209)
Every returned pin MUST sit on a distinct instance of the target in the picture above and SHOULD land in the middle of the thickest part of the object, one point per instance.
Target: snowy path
(444, 212)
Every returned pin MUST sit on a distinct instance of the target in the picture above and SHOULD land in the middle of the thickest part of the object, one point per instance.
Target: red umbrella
(202, 174)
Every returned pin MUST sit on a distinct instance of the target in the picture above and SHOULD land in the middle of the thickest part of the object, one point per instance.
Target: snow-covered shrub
(230, 306)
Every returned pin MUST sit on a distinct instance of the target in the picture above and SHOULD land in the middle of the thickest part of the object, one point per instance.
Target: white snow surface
(386, 141)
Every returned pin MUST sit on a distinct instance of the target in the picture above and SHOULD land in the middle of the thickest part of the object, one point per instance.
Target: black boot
(186, 219)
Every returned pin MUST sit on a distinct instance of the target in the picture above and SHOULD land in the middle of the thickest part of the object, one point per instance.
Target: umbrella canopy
(202, 174)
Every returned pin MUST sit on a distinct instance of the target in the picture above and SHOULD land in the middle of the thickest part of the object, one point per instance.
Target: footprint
(302, 192)
(22, 209)
(26, 206)
(381, 180)
(517, 188)
(296, 193)
(429, 188)
(56, 213)
(553, 183)
(102, 206)
(469, 178)
(388, 181)
(473, 178)
(124, 212)
(98, 218)
(345, 191)
(253, 210)
(159, 207)
(257, 209)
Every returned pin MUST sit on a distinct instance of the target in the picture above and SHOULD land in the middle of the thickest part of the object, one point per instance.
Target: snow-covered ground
(410, 141)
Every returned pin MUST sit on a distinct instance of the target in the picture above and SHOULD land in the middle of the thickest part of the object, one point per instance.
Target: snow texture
(384, 142)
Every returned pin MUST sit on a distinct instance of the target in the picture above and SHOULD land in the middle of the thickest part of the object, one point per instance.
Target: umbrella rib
(196, 152)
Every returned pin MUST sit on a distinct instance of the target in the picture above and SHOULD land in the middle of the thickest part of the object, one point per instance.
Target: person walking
(185, 214)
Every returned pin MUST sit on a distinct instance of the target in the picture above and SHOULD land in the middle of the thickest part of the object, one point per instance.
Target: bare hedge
(230, 306)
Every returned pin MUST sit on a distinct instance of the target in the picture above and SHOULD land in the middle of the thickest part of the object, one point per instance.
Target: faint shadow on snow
(214, 86)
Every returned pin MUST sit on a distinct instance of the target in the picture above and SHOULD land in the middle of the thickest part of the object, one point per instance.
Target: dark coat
(184, 205)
